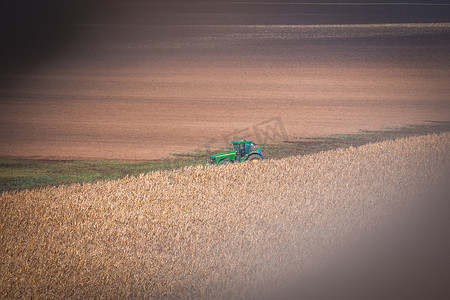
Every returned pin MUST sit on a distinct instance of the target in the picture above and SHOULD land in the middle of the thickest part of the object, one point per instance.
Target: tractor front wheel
(254, 158)
(225, 161)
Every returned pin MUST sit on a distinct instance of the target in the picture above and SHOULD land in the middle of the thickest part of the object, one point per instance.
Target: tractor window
(236, 147)
(247, 148)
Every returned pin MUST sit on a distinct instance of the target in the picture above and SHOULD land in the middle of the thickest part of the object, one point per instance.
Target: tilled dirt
(141, 92)
(148, 115)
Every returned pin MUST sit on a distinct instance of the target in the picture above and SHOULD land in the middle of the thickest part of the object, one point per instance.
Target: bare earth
(141, 92)
(148, 116)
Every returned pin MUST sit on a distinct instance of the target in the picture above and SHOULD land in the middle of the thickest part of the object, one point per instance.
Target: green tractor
(241, 151)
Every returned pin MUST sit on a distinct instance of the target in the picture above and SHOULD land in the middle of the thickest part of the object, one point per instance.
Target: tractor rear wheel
(254, 158)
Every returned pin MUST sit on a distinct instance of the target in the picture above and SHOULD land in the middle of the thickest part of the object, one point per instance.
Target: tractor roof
(241, 142)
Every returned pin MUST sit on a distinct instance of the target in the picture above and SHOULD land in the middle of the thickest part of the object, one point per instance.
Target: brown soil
(130, 91)
(139, 113)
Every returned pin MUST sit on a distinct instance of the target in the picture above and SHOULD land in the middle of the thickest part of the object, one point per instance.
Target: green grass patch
(27, 174)
(305, 146)
(367, 131)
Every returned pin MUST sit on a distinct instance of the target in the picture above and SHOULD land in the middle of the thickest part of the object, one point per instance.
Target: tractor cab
(242, 148)
(240, 151)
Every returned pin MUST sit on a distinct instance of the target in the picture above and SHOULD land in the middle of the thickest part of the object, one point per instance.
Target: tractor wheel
(254, 158)
(225, 162)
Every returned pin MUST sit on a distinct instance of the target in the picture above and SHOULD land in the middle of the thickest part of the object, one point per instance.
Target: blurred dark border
(408, 258)
(32, 30)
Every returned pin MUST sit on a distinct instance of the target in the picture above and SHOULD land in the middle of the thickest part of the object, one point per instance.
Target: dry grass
(207, 231)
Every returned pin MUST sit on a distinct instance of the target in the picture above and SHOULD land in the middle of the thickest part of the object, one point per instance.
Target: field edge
(21, 174)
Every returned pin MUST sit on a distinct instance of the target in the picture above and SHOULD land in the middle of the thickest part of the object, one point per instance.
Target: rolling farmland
(206, 232)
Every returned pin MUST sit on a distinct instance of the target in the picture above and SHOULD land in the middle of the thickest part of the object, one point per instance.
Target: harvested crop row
(207, 231)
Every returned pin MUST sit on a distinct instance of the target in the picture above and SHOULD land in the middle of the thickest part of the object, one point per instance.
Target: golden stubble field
(207, 232)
